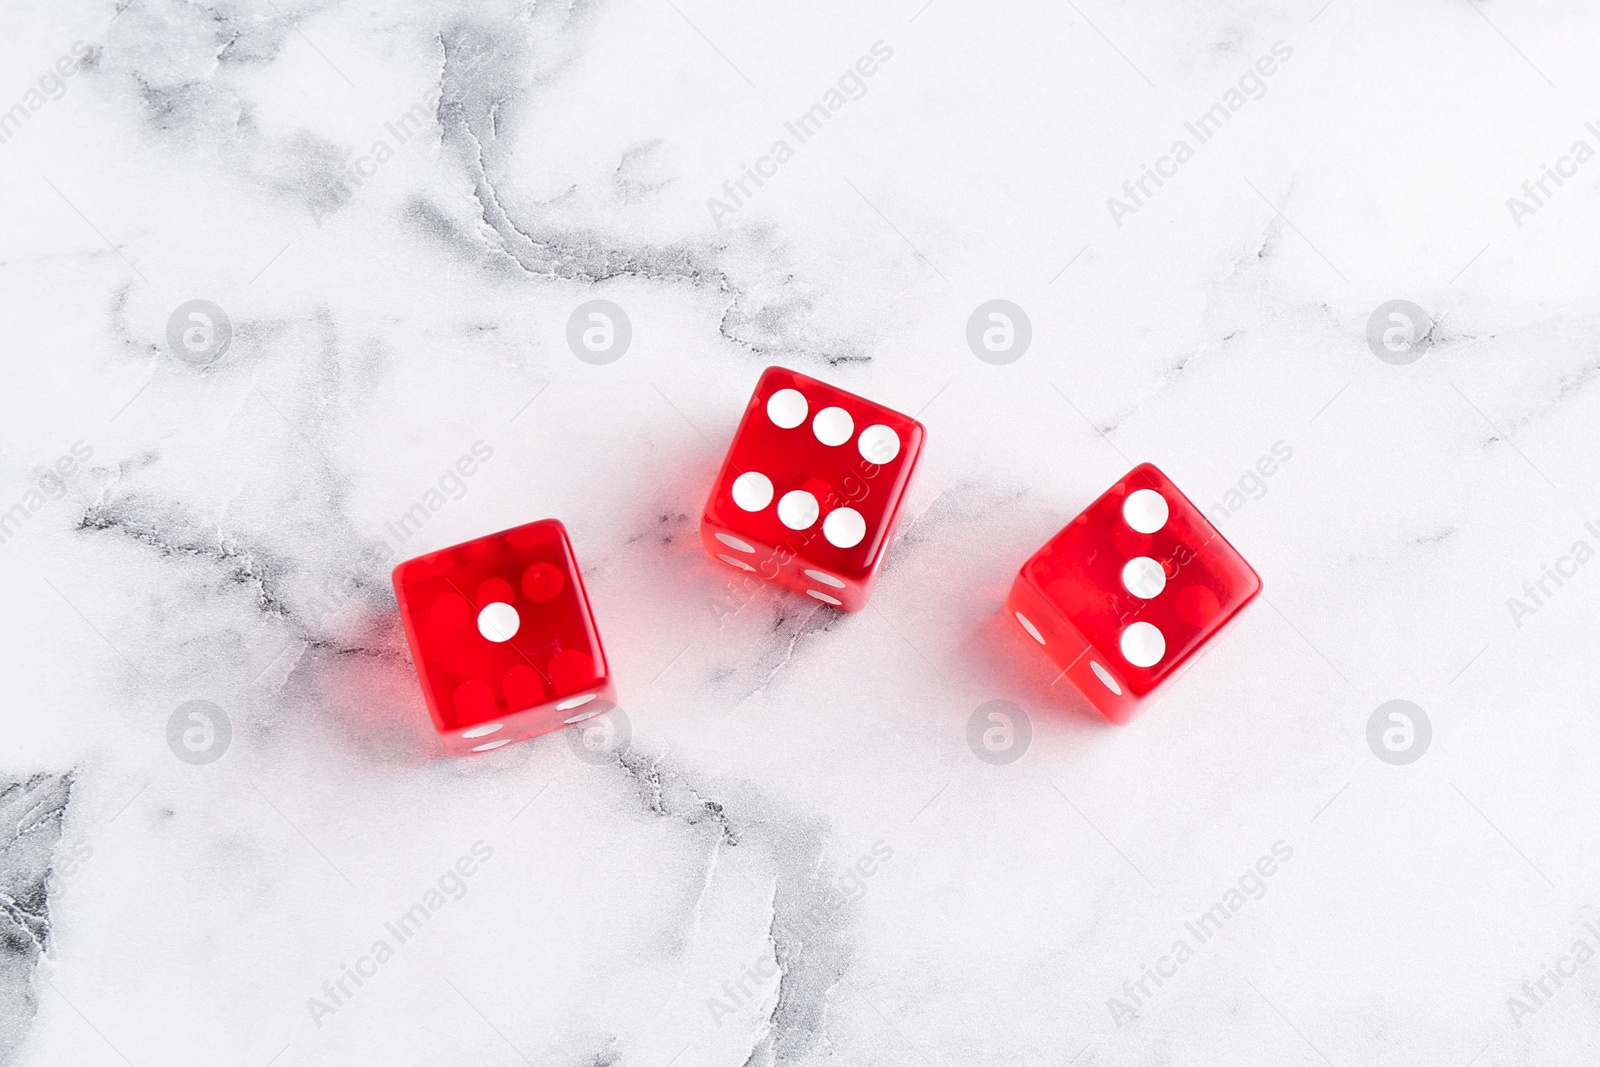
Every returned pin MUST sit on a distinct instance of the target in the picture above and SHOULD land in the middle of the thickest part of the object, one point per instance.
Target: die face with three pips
(1129, 592)
(810, 489)
(503, 637)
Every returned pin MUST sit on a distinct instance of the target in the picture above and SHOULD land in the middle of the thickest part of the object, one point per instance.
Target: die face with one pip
(1130, 591)
(811, 487)
(503, 637)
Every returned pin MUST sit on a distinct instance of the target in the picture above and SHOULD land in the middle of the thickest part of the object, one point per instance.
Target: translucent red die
(811, 487)
(503, 637)
(1129, 592)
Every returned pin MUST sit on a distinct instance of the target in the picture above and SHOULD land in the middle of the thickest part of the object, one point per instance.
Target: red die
(809, 492)
(503, 638)
(1126, 594)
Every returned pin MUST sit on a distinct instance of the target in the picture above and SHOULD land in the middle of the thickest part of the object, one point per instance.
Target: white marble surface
(689, 901)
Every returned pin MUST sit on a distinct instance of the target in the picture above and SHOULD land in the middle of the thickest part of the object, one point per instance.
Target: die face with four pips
(811, 487)
(503, 637)
(1129, 592)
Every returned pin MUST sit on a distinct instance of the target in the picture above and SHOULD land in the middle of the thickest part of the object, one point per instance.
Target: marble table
(269, 269)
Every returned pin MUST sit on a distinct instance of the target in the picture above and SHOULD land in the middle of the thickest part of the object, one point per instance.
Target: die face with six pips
(1130, 591)
(503, 637)
(811, 487)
